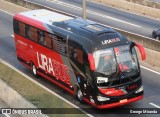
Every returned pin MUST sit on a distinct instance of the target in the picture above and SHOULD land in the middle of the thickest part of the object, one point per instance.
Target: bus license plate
(123, 101)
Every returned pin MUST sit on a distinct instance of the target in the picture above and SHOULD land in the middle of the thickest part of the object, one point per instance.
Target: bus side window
(34, 34)
(48, 40)
(41, 37)
(79, 56)
(76, 54)
(27, 31)
(16, 26)
(22, 29)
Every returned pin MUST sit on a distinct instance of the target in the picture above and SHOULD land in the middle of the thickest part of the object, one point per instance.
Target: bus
(93, 62)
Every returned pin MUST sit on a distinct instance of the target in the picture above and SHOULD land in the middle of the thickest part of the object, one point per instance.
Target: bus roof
(87, 33)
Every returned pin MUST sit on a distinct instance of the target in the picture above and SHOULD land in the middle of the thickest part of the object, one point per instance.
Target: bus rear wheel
(34, 70)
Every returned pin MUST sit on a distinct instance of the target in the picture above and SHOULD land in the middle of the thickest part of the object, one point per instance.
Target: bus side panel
(51, 63)
(46, 60)
(21, 47)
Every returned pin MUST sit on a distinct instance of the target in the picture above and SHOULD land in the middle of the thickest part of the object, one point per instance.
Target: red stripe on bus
(56, 82)
(113, 104)
(26, 65)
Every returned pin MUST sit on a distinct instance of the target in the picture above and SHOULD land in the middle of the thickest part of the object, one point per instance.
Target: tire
(80, 95)
(34, 70)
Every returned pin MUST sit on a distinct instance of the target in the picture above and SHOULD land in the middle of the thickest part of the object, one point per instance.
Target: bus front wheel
(80, 95)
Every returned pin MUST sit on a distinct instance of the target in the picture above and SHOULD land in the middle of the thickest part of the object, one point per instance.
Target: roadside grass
(34, 93)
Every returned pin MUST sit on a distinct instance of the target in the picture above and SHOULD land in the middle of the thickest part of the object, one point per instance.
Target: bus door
(89, 88)
(76, 58)
(80, 65)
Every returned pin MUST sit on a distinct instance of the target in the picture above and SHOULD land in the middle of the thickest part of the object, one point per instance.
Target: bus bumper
(120, 103)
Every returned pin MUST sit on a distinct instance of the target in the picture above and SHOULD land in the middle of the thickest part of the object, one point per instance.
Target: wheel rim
(34, 70)
(79, 94)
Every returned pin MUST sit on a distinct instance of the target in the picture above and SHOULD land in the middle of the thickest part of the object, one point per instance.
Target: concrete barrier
(33, 6)
(15, 100)
(149, 43)
(148, 3)
(144, 7)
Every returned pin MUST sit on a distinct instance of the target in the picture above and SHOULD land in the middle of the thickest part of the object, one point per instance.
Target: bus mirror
(142, 51)
(91, 62)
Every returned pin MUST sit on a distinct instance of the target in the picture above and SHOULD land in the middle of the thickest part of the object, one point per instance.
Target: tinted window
(76, 54)
(34, 34)
(41, 37)
(48, 40)
(22, 28)
(27, 31)
(16, 26)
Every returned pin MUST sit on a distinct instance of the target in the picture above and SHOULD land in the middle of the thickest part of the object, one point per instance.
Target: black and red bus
(96, 63)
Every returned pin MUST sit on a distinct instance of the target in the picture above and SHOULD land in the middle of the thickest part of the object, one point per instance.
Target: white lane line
(92, 12)
(12, 35)
(154, 105)
(6, 12)
(4, 113)
(150, 70)
(37, 83)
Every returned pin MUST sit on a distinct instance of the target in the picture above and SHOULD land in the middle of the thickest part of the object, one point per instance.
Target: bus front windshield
(116, 60)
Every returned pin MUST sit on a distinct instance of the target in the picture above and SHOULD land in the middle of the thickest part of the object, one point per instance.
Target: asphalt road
(105, 15)
(151, 80)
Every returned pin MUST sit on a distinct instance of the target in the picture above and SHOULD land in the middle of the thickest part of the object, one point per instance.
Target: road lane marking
(92, 12)
(6, 12)
(47, 89)
(150, 70)
(154, 105)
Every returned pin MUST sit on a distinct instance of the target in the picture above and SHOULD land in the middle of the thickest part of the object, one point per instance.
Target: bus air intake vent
(94, 28)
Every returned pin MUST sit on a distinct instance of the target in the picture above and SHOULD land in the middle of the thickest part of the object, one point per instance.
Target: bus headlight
(100, 98)
(140, 89)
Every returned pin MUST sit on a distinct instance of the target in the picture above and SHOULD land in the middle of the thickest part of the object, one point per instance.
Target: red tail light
(142, 51)
(91, 62)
